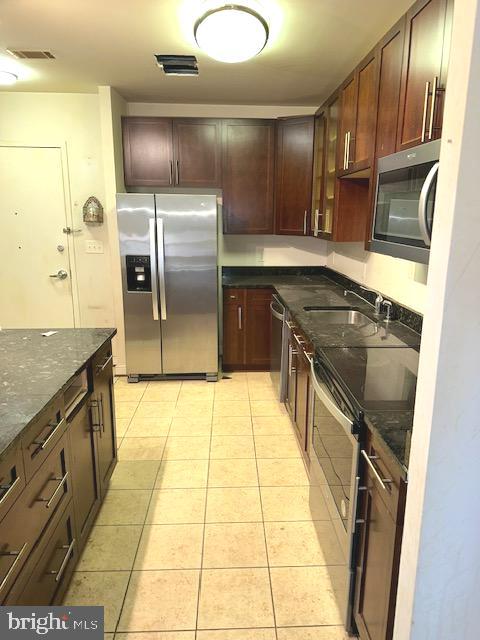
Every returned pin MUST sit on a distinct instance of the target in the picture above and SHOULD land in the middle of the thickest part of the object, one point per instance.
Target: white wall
(439, 583)
(403, 280)
(71, 119)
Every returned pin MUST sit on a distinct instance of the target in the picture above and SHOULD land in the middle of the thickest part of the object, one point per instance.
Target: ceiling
(314, 44)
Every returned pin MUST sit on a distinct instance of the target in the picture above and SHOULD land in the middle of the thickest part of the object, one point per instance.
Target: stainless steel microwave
(405, 202)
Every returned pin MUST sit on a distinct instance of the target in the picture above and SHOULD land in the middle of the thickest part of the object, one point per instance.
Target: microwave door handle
(153, 268)
(161, 268)
(423, 202)
(324, 395)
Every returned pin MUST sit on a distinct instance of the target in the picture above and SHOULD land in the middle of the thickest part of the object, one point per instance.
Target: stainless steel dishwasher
(278, 347)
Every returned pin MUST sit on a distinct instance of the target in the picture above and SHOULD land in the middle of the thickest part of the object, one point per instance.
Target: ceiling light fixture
(7, 77)
(231, 33)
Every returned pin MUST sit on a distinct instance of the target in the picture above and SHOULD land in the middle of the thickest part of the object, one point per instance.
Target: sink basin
(339, 316)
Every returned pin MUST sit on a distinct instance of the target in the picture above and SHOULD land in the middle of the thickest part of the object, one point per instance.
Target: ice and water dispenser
(138, 273)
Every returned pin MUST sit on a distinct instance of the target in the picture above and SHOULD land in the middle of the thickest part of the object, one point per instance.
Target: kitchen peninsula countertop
(299, 290)
(35, 368)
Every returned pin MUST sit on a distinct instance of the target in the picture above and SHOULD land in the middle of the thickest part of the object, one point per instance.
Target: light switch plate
(94, 246)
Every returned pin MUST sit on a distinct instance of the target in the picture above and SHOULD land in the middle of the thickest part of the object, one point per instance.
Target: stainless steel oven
(405, 202)
(278, 346)
(334, 450)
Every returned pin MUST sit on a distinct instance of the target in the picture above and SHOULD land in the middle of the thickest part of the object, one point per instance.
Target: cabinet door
(86, 486)
(147, 152)
(331, 153)
(102, 416)
(422, 66)
(292, 361)
(248, 176)
(294, 164)
(258, 329)
(348, 107)
(197, 152)
(361, 148)
(389, 55)
(234, 329)
(319, 157)
(301, 418)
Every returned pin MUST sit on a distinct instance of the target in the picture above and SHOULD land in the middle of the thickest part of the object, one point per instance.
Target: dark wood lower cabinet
(292, 362)
(382, 510)
(303, 387)
(246, 329)
(84, 472)
(102, 415)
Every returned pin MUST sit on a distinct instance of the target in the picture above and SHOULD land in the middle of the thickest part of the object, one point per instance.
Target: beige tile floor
(206, 532)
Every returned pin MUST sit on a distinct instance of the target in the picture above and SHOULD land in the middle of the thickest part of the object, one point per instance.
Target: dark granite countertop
(34, 369)
(350, 344)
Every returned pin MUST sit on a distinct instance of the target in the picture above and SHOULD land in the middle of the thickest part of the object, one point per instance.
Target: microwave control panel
(138, 273)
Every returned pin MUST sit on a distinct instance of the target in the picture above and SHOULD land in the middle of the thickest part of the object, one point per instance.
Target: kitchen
(235, 224)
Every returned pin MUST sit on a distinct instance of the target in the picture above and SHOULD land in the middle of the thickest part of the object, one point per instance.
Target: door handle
(153, 268)
(60, 275)
(17, 555)
(177, 173)
(382, 481)
(171, 172)
(425, 106)
(305, 223)
(240, 319)
(161, 268)
(8, 488)
(58, 574)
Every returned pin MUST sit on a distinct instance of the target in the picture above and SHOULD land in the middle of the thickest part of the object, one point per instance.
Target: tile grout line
(141, 532)
(264, 530)
(200, 575)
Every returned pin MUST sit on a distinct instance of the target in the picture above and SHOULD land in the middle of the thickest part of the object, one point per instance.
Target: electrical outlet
(94, 246)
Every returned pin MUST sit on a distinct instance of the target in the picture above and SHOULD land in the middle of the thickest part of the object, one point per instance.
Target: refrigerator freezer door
(138, 255)
(187, 256)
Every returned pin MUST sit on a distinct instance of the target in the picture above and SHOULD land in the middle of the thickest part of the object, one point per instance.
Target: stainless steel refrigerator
(168, 249)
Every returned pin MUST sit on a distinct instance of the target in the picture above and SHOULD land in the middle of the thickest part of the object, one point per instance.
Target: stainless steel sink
(340, 316)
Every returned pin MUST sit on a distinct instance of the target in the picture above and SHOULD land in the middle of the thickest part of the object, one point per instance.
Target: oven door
(405, 202)
(334, 456)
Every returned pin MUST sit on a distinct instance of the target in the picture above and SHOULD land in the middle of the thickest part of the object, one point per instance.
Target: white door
(33, 247)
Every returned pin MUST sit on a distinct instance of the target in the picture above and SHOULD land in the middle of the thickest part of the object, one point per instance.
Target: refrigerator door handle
(161, 268)
(153, 268)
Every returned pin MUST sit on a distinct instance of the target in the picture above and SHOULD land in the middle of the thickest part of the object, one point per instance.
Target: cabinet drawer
(46, 575)
(394, 490)
(234, 296)
(48, 491)
(42, 437)
(12, 480)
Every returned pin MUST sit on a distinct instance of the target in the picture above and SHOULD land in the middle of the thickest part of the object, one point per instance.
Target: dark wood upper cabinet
(258, 334)
(147, 152)
(389, 55)
(425, 50)
(248, 176)
(357, 118)
(197, 152)
(161, 152)
(294, 165)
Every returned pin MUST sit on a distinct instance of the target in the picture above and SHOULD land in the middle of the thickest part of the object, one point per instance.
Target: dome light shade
(231, 33)
(7, 77)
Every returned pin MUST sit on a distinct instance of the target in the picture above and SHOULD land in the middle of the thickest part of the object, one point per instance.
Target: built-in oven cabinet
(381, 511)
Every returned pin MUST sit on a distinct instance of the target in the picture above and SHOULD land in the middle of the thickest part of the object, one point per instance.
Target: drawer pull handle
(58, 574)
(49, 501)
(8, 488)
(42, 444)
(382, 481)
(19, 555)
(101, 367)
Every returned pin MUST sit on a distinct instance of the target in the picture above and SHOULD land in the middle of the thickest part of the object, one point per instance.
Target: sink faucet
(378, 299)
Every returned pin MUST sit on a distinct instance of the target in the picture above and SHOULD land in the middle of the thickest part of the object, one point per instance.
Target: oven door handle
(423, 202)
(326, 397)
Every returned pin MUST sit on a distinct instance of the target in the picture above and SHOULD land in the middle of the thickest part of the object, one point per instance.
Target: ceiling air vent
(31, 55)
(177, 65)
